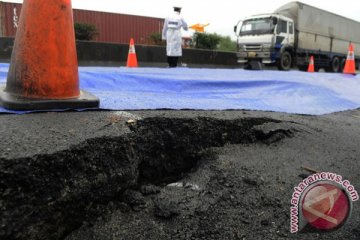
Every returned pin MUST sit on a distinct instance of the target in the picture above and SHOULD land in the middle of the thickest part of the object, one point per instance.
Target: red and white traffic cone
(350, 61)
(311, 67)
(132, 59)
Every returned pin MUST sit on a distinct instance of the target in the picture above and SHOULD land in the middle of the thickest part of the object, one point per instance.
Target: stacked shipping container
(112, 27)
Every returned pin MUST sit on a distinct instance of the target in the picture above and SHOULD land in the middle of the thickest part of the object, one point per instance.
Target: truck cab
(266, 38)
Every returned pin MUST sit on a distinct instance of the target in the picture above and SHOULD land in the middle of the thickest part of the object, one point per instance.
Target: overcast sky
(222, 15)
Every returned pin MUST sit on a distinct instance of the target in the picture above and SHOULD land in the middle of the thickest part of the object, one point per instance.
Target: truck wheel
(285, 61)
(335, 65)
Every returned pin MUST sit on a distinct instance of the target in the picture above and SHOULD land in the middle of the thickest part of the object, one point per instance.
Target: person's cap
(177, 9)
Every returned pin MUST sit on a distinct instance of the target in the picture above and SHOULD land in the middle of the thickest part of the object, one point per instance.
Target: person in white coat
(172, 34)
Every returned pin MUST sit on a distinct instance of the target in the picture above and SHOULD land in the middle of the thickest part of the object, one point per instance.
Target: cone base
(12, 102)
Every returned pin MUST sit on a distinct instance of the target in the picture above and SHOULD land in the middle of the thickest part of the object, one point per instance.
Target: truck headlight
(241, 47)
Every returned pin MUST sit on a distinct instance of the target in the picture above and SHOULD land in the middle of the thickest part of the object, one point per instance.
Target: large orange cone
(311, 67)
(43, 70)
(132, 59)
(350, 61)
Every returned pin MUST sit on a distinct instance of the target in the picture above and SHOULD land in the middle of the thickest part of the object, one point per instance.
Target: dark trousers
(172, 61)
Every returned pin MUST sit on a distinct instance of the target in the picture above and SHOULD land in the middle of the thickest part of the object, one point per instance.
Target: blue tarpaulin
(217, 89)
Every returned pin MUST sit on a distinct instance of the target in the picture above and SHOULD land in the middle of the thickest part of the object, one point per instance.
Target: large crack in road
(48, 196)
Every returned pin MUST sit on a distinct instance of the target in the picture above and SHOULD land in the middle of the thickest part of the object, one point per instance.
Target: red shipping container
(112, 27)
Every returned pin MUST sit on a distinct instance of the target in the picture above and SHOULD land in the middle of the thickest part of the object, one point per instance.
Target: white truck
(293, 33)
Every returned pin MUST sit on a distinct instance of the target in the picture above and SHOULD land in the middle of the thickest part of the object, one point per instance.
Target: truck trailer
(295, 32)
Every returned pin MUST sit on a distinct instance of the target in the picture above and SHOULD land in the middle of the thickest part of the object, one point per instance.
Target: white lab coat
(172, 34)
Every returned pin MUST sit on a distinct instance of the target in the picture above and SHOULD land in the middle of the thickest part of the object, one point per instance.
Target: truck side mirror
(275, 20)
(235, 29)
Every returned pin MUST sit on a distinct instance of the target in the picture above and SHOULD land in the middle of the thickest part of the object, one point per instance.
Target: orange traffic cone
(350, 61)
(311, 67)
(43, 71)
(132, 59)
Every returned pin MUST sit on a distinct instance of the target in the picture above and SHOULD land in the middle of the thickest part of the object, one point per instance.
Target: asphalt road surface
(168, 174)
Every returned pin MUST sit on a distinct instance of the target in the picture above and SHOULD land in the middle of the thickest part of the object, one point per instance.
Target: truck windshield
(257, 26)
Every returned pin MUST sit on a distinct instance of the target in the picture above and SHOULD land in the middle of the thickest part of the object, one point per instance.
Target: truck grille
(253, 48)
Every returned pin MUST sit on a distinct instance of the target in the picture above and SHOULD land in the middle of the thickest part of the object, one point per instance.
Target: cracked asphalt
(239, 189)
